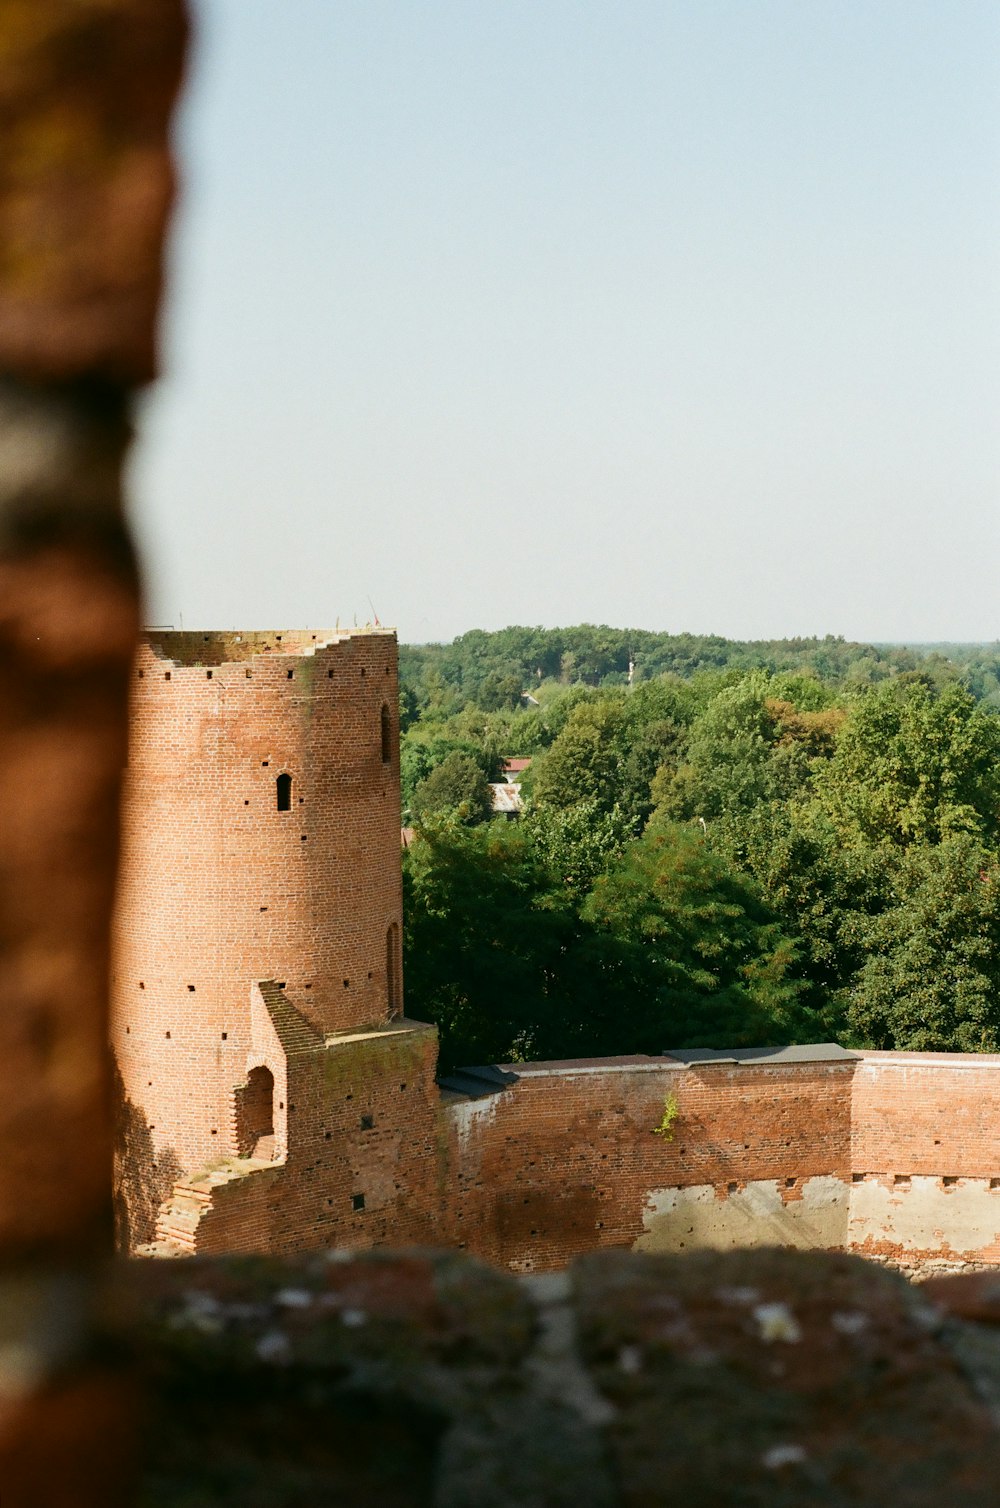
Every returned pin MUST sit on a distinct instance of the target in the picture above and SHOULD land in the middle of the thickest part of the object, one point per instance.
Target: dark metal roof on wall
(750, 1057)
(476, 1082)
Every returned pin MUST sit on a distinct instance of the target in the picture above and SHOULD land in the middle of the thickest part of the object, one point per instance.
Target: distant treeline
(491, 670)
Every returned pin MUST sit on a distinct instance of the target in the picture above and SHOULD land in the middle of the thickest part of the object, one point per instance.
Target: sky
(672, 314)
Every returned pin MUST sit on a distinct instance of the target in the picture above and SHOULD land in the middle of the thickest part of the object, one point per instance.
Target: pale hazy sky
(673, 315)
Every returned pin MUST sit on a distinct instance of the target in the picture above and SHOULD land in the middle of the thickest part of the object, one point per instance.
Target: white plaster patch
(466, 1114)
(925, 1215)
(756, 1215)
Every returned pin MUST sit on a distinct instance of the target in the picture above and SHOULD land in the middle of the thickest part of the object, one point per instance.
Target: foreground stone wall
(765, 1379)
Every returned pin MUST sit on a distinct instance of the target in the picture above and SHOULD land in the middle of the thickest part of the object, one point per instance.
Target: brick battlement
(200, 648)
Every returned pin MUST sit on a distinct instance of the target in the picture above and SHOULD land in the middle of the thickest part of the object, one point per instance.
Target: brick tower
(259, 904)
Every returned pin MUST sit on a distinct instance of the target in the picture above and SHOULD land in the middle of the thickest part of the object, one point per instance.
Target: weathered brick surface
(563, 1161)
(926, 1156)
(364, 1126)
(85, 184)
(927, 1113)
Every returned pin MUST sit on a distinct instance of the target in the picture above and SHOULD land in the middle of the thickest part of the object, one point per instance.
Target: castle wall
(567, 1159)
(570, 1157)
(926, 1156)
(219, 887)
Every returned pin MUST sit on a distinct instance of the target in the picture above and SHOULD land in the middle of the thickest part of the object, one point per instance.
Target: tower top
(201, 647)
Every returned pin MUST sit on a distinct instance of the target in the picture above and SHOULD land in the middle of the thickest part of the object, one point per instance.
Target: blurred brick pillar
(86, 90)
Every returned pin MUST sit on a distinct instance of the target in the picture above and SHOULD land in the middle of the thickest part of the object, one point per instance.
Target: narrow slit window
(392, 972)
(283, 786)
(386, 735)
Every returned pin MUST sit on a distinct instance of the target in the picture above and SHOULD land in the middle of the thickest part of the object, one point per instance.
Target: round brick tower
(261, 842)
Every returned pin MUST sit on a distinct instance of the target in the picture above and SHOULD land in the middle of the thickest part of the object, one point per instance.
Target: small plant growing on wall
(670, 1112)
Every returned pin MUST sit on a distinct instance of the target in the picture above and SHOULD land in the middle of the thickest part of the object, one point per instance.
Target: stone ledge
(416, 1377)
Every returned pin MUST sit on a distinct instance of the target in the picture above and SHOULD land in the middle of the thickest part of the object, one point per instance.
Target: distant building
(506, 797)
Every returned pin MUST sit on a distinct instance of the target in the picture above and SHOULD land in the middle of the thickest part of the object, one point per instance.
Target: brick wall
(896, 1155)
(926, 1156)
(365, 1164)
(927, 1113)
(566, 1159)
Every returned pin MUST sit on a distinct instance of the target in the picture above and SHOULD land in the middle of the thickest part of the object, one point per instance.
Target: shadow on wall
(142, 1181)
(255, 1114)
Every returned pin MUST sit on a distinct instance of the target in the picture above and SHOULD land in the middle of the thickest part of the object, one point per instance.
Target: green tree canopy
(584, 762)
(718, 968)
(483, 949)
(457, 785)
(915, 765)
(671, 947)
(931, 975)
(819, 818)
(737, 756)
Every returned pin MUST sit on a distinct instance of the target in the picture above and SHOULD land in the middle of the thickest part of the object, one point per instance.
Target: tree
(652, 747)
(823, 891)
(584, 762)
(483, 947)
(409, 710)
(715, 965)
(931, 979)
(499, 691)
(670, 948)
(576, 844)
(456, 785)
(914, 765)
(734, 757)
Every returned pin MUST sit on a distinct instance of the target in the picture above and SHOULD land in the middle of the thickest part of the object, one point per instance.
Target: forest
(722, 843)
